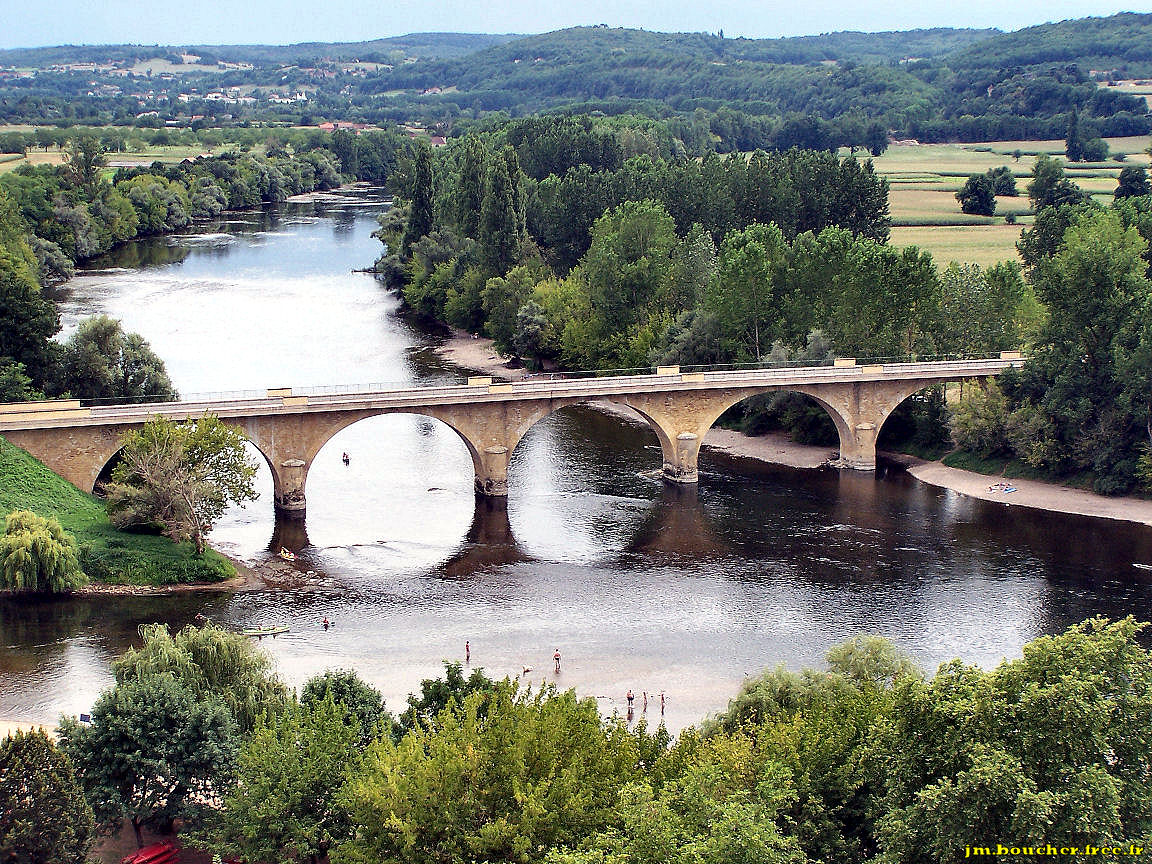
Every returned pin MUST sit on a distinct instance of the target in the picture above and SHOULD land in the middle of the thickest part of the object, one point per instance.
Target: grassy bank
(106, 554)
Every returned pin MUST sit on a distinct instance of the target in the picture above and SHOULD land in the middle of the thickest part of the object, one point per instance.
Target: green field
(969, 244)
(924, 179)
(107, 555)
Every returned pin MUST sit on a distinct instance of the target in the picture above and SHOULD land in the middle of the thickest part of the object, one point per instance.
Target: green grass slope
(106, 554)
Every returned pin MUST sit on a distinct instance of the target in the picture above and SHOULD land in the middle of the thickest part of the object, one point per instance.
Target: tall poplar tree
(420, 212)
(498, 235)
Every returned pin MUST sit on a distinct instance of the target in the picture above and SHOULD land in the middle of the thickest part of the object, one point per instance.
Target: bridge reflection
(677, 525)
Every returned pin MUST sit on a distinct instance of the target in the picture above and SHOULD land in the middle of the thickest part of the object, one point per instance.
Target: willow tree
(208, 661)
(182, 476)
(37, 555)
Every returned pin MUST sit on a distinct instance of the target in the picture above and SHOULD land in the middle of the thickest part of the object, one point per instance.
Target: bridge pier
(491, 464)
(288, 489)
(682, 468)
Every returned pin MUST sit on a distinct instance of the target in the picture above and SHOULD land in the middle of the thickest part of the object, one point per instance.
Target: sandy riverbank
(479, 355)
(1033, 493)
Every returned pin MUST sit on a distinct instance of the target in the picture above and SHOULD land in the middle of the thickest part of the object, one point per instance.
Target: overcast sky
(215, 22)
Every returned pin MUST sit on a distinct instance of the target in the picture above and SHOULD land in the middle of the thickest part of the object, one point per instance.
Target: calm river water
(638, 584)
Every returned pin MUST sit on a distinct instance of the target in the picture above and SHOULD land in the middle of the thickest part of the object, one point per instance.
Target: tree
(101, 361)
(860, 203)
(420, 220)
(628, 264)
(1077, 407)
(1074, 138)
(209, 662)
(362, 702)
(84, 156)
(531, 338)
(470, 189)
(1133, 182)
(1049, 186)
(1003, 181)
(181, 476)
(978, 196)
(1095, 150)
(44, 817)
(500, 777)
(36, 555)
(876, 138)
(287, 799)
(744, 296)
(496, 231)
(979, 308)
(28, 319)
(1046, 747)
(152, 752)
(437, 693)
(15, 385)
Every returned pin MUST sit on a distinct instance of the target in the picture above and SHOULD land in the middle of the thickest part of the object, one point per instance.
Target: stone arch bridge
(289, 428)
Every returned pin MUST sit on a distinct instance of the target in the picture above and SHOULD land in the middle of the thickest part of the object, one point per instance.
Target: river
(639, 585)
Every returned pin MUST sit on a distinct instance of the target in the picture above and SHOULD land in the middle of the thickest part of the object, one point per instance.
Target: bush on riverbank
(106, 555)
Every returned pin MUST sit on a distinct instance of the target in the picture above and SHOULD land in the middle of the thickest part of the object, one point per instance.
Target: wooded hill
(419, 45)
(931, 84)
(934, 85)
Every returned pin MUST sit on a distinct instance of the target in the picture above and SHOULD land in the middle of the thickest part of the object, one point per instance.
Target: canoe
(264, 631)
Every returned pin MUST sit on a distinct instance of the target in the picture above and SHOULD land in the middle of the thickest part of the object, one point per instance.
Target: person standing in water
(467, 652)
(556, 657)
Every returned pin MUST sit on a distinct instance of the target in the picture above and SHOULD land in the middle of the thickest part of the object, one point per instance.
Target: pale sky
(215, 22)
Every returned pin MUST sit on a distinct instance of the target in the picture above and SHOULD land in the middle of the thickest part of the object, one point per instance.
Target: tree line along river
(640, 585)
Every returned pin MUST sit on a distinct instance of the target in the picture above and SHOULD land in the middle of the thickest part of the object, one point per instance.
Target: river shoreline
(479, 355)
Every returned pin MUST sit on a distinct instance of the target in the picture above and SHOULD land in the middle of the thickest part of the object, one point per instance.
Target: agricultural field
(12, 161)
(924, 179)
(969, 244)
(132, 158)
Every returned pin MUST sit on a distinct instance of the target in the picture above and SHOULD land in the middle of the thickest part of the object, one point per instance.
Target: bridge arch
(290, 445)
(553, 407)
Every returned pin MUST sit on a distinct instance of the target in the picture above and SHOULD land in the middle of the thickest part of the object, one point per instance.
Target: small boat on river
(264, 631)
(286, 554)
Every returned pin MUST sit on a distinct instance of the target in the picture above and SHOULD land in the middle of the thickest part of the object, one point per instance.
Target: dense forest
(818, 91)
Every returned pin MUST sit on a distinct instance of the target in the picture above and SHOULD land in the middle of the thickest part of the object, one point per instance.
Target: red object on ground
(158, 853)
